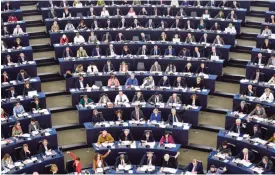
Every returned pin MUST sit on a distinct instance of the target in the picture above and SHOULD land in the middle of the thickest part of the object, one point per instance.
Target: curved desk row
(260, 87)
(5, 14)
(189, 115)
(14, 53)
(137, 130)
(268, 71)
(30, 67)
(11, 25)
(10, 39)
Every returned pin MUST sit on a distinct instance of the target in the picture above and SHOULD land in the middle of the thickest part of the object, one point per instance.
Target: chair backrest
(47, 169)
(69, 166)
(17, 152)
(10, 133)
(194, 14)
(135, 38)
(140, 66)
(98, 83)
(38, 145)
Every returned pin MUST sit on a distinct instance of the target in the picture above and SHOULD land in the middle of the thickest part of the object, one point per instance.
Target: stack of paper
(170, 145)
(257, 169)
(126, 167)
(169, 170)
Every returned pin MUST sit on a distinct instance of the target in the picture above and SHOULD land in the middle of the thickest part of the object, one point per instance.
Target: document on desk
(26, 135)
(147, 168)
(169, 170)
(233, 134)
(170, 145)
(150, 144)
(257, 169)
(107, 144)
(125, 167)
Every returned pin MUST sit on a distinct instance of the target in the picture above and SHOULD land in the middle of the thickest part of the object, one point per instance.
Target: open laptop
(32, 93)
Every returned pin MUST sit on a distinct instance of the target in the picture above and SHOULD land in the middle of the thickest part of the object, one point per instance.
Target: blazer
(186, 25)
(171, 163)
(179, 84)
(158, 52)
(105, 67)
(77, 84)
(26, 90)
(200, 85)
(162, 83)
(20, 78)
(152, 99)
(268, 46)
(196, 55)
(235, 129)
(9, 95)
(130, 137)
(94, 52)
(229, 16)
(202, 70)
(145, 160)
(122, 38)
(253, 77)
(170, 118)
(82, 53)
(244, 110)
(118, 161)
(218, 53)
(120, 24)
(171, 100)
(188, 40)
(140, 51)
(175, 25)
(167, 52)
(62, 40)
(65, 54)
(77, 167)
(153, 68)
(184, 54)
(42, 148)
(248, 93)
(31, 127)
(108, 52)
(267, 168)
(251, 156)
(141, 98)
(218, 27)
(262, 112)
(124, 52)
(24, 155)
(98, 118)
(163, 140)
(258, 134)
(153, 117)
(197, 102)
(256, 60)
(130, 82)
(198, 169)
(33, 105)
(105, 37)
(20, 60)
(82, 102)
(52, 15)
(150, 138)
(152, 25)
(134, 116)
(216, 41)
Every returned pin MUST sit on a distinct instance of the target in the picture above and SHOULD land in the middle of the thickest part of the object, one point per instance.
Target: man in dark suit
(156, 98)
(266, 164)
(108, 67)
(148, 159)
(169, 161)
(174, 99)
(137, 114)
(256, 133)
(194, 167)
(246, 155)
(202, 69)
(259, 59)
(155, 51)
(204, 38)
(22, 75)
(12, 93)
(95, 25)
(126, 136)
(22, 58)
(148, 136)
(174, 117)
(150, 24)
(122, 23)
(25, 152)
(123, 160)
(107, 37)
(170, 51)
(242, 108)
(80, 83)
(215, 27)
(197, 53)
(177, 24)
(215, 52)
(249, 91)
(142, 50)
(164, 81)
(238, 127)
(96, 51)
(110, 51)
(34, 126)
(67, 53)
(44, 146)
(97, 116)
(184, 53)
(179, 82)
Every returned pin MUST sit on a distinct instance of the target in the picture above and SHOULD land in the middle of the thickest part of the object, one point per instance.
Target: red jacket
(77, 167)
(170, 139)
(12, 19)
(62, 40)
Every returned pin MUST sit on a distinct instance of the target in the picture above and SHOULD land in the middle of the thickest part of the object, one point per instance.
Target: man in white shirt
(267, 96)
(104, 12)
(121, 98)
(267, 31)
(18, 30)
(78, 39)
(230, 28)
(69, 26)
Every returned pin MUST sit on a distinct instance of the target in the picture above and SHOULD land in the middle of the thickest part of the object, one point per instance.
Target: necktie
(245, 157)
(175, 118)
(157, 99)
(120, 98)
(17, 31)
(122, 162)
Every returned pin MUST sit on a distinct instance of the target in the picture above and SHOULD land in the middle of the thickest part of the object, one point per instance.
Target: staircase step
(27, 3)
(248, 36)
(35, 35)
(256, 13)
(260, 3)
(46, 62)
(50, 76)
(234, 77)
(30, 12)
(34, 23)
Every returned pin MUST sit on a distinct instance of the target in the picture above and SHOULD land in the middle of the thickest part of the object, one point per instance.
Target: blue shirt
(17, 110)
(130, 82)
(154, 117)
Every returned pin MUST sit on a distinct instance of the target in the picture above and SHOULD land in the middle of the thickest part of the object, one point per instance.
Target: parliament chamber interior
(138, 87)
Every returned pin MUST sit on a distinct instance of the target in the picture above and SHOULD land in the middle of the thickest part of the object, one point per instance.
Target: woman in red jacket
(64, 40)
(77, 165)
(167, 138)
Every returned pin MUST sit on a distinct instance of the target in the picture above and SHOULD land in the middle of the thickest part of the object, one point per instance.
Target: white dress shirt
(92, 69)
(265, 98)
(104, 13)
(18, 31)
(79, 39)
(230, 30)
(122, 98)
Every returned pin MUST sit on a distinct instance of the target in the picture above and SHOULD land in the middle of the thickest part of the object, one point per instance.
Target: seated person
(131, 12)
(181, 13)
(218, 40)
(206, 14)
(92, 12)
(104, 137)
(67, 53)
(121, 98)
(190, 38)
(188, 68)
(44, 146)
(92, 38)
(55, 27)
(104, 99)
(232, 15)
(120, 37)
(118, 116)
(150, 24)
(179, 83)
(267, 45)
(79, 39)
(235, 5)
(238, 127)
(138, 97)
(272, 80)
(79, 69)
(177, 24)
(142, 50)
(155, 12)
(92, 68)
(267, 96)
(266, 165)
(136, 24)
(126, 51)
(249, 91)
(164, 81)
(66, 13)
(271, 61)
(257, 76)
(204, 39)
(169, 161)
(85, 101)
(12, 93)
(202, 69)
(215, 53)
(144, 38)
(108, 67)
(246, 155)
(220, 15)
(5, 31)
(194, 101)
(6, 161)
(137, 114)
(123, 67)
(4, 115)
(259, 59)
(230, 28)
(113, 81)
(69, 26)
(267, 31)
(122, 24)
(155, 67)
(148, 82)
(176, 38)
(64, 40)
(166, 138)
(108, 24)
(5, 77)
(188, 25)
(242, 108)
(163, 37)
(104, 12)
(174, 99)
(156, 98)
(17, 43)
(22, 58)
(258, 111)
(22, 75)
(95, 25)
(201, 25)
(174, 117)
(271, 139)
(97, 116)
(170, 51)
(34, 126)
(25, 152)
(131, 81)
(147, 136)
(107, 37)
(17, 130)
(143, 12)
(122, 160)
(224, 149)
(17, 30)
(81, 83)
(184, 53)
(168, 11)
(155, 116)
(8, 60)
(155, 51)
(126, 136)
(18, 109)
(215, 27)
(36, 104)
(110, 51)
(214, 170)
(81, 52)
(194, 167)
(148, 159)
(256, 133)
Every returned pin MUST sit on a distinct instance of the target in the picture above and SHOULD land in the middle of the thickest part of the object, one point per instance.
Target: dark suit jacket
(254, 76)
(33, 105)
(94, 52)
(130, 137)
(105, 67)
(153, 97)
(108, 52)
(9, 95)
(258, 134)
(218, 53)
(248, 93)
(152, 25)
(184, 54)
(215, 28)
(182, 83)
(196, 55)
(97, 118)
(93, 25)
(77, 84)
(162, 83)
(122, 38)
(200, 85)
(204, 70)
(199, 168)
(197, 102)
(171, 163)
(268, 167)
(140, 51)
(141, 98)
(20, 59)
(234, 129)
(70, 53)
(26, 90)
(128, 52)
(52, 15)
(191, 25)
(170, 118)
(31, 127)
(251, 156)
(118, 161)
(174, 25)
(167, 52)
(152, 52)
(244, 110)
(263, 61)
(145, 160)
(203, 40)
(269, 46)
(120, 25)
(20, 78)
(42, 148)
(150, 139)
(24, 155)
(105, 37)
(133, 115)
